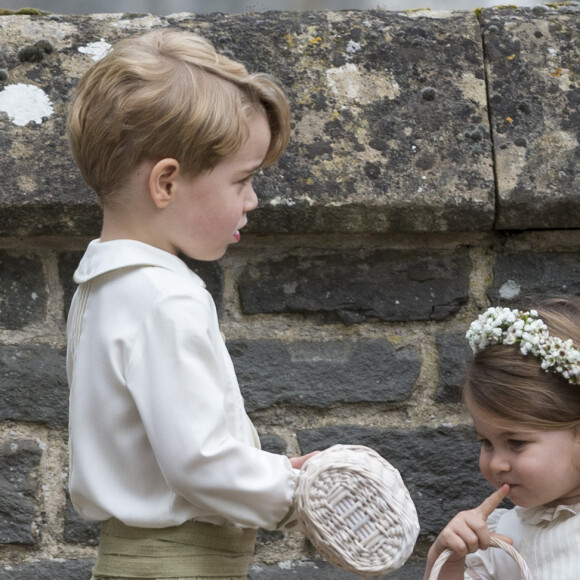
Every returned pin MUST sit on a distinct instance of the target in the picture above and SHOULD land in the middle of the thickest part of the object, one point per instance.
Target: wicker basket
(496, 543)
(356, 510)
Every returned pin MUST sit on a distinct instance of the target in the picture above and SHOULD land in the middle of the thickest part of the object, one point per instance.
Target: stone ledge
(391, 129)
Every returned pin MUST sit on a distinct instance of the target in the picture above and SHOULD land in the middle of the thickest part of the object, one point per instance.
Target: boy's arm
(467, 532)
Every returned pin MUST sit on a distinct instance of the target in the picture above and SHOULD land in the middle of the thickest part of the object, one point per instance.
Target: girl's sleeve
(193, 414)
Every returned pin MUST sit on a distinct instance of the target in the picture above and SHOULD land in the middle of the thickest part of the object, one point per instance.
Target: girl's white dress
(548, 538)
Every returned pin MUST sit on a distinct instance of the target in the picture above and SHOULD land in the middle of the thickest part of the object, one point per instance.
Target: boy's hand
(467, 532)
(298, 462)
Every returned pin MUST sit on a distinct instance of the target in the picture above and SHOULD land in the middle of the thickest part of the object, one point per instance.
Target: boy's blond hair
(168, 94)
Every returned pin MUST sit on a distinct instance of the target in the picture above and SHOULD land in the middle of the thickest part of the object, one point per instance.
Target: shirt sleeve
(192, 411)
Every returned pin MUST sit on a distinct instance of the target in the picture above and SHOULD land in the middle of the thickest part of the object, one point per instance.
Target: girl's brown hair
(514, 388)
(168, 94)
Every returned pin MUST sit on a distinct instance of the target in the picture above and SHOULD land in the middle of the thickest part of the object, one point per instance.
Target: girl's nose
(499, 462)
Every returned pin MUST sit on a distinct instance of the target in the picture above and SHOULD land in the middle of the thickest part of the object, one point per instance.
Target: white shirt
(158, 430)
(547, 538)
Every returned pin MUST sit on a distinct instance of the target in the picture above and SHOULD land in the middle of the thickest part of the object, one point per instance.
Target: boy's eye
(485, 443)
(517, 443)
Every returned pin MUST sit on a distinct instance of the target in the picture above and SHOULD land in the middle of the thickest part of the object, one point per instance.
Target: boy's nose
(251, 200)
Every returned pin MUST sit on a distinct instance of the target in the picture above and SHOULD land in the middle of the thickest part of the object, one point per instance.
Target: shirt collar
(104, 257)
(542, 513)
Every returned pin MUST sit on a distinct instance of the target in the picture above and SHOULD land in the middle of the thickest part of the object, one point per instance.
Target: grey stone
(77, 530)
(67, 265)
(273, 444)
(212, 275)
(393, 285)
(19, 461)
(34, 385)
(322, 374)
(23, 292)
(522, 275)
(454, 355)
(438, 465)
(369, 152)
(49, 570)
(533, 66)
(320, 570)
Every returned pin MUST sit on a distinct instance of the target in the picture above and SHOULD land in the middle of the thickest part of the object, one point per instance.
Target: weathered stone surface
(454, 354)
(520, 275)
(390, 285)
(389, 116)
(34, 385)
(23, 292)
(19, 461)
(322, 374)
(439, 466)
(77, 530)
(533, 66)
(320, 570)
(49, 570)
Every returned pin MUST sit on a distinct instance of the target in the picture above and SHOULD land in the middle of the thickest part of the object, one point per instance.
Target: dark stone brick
(320, 570)
(67, 265)
(34, 384)
(23, 292)
(19, 461)
(322, 374)
(439, 466)
(454, 356)
(273, 444)
(212, 274)
(393, 285)
(49, 570)
(525, 274)
(77, 530)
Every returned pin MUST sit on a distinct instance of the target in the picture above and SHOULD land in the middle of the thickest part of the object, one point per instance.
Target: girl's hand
(298, 462)
(467, 532)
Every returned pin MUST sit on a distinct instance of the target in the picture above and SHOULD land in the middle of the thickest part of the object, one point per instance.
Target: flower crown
(505, 326)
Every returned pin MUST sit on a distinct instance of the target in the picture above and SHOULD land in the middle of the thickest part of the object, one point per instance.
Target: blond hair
(514, 388)
(168, 94)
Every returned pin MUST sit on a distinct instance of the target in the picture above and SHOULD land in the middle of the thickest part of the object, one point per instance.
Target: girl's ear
(162, 182)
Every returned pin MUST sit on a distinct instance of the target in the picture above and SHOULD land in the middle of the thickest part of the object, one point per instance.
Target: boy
(169, 134)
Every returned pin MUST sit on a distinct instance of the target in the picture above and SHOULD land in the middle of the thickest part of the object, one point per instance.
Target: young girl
(522, 391)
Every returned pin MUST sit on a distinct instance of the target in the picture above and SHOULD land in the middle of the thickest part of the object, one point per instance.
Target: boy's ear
(162, 182)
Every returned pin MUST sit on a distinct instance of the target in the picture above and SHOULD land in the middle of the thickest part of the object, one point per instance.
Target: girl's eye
(485, 443)
(517, 443)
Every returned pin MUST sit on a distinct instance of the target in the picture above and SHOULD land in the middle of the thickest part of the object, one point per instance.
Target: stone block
(77, 530)
(438, 465)
(315, 374)
(67, 265)
(391, 285)
(533, 68)
(23, 292)
(454, 355)
(390, 127)
(49, 570)
(19, 461)
(320, 570)
(34, 385)
(519, 275)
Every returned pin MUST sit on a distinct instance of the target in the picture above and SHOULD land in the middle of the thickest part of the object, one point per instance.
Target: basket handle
(496, 543)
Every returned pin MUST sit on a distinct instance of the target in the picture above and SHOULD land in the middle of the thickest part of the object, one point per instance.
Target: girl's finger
(489, 504)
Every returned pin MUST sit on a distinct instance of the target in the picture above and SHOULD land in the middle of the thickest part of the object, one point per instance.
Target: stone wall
(432, 171)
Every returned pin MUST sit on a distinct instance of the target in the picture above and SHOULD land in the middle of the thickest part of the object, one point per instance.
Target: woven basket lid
(356, 510)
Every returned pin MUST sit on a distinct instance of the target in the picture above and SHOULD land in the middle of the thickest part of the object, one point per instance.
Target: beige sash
(190, 550)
